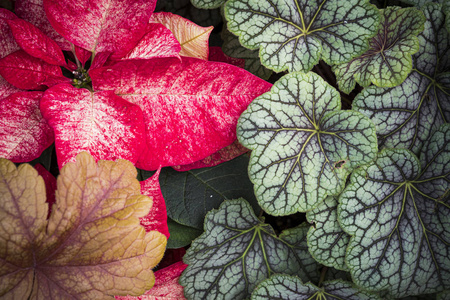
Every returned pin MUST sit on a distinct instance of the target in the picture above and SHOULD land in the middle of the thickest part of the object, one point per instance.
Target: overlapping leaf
(192, 38)
(295, 35)
(290, 287)
(190, 195)
(388, 61)
(237, 251)
(406, 115)
(207, 4)
(327, 241)
(190, 107)
(102, 123)
(181, 235)
(91, 247)
(7, 43)
(303, 146)
(396, 211)
(24, 132)
(233, 48)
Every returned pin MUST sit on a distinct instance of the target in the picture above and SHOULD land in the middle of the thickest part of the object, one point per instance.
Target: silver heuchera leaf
(237, 251)
(282, 286)
(406, 115)
(295, 34)
(303, 145)
(397, 212)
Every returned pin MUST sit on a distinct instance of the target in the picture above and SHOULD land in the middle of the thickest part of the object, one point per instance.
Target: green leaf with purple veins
(237, 251)
(295, 34)
(388, 61)
(282, 286)
(304, 146)
(397, 212)
(406, 115)
(326, 239)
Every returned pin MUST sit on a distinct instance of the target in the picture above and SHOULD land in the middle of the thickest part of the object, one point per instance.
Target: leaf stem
(76, 58)
(322, 275)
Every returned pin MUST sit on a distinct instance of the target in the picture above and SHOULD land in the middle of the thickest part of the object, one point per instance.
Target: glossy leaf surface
(29, 73)
(192, 38)
(190, 107)
(190, 195)
(295, 35)
(406, 115)
(396, 211)
(102, 123)
(91, 247)
(24, 133)
(388, 61)
(303, 146)
(290, 287)
(327, 241)
(237, 251)
(101, 26)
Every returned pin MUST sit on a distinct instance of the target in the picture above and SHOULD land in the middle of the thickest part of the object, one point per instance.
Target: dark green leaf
(207, 4)
(397, 212)
(295, 34)
(282, 286)
(304, 146)
(190, 195)
(388, 61)
(237, 251)
(406, 115)
(326, 239)
(180, 235)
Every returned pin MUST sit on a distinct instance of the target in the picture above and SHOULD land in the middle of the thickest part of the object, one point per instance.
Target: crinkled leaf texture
(91, 247)
(397, 212)
(166, 285)
(295, 34)
(388, 61)
(24, 133)
(237, 251)
(190, 107)
(281, 286)
(406, 115)
(102, 123)
(207, 4)
(304, 146)
(193, 38)
(101, 26)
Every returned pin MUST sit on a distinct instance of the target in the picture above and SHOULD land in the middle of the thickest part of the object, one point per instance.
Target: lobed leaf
(102, 123)
(237, 251)
(192, 38)
(190, 107)
(91, 247)
(294, 35)
(24, 133)
(406, 115)
(281, 286)
(327, 241)
(388, 61)
(113, 26)
(303, 146)
(396, 210)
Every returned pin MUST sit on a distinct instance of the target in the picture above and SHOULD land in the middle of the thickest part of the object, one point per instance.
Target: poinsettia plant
(344, 106)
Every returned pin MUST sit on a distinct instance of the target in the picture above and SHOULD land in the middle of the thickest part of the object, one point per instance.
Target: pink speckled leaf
(225, 154)
(7, 43)
(192, 37)
(190, 107)
(216, 54)
(166, 285)
(24, 133)
(36, 43)
(99, 60)
(157, 217)
(101, 123)
(6, 88)
(33, 11)
(101, 26)
(82, 55)
(29, 73)
(50, 185)
(158, 42)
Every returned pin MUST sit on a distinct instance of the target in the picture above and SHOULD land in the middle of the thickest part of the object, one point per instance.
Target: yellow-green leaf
(91, 247)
